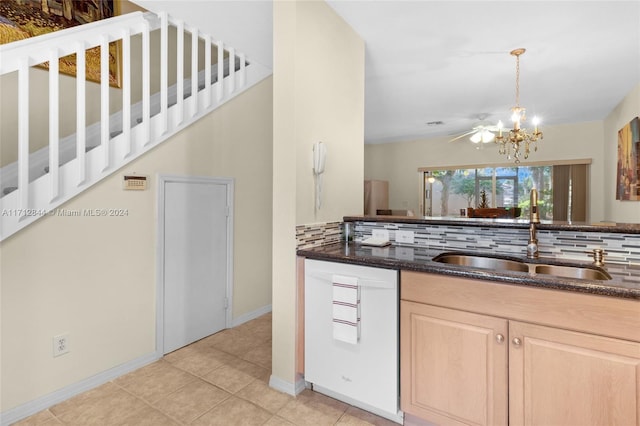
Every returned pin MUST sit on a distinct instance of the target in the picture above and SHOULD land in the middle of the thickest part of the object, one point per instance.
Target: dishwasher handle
(362, 282)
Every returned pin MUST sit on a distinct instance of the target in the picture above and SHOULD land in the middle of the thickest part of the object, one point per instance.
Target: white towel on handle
(346, 309)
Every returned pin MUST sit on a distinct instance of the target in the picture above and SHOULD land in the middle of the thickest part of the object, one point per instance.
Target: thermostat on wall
(135, 183)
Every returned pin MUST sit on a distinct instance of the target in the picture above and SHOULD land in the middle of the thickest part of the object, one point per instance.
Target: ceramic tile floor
(219, 380)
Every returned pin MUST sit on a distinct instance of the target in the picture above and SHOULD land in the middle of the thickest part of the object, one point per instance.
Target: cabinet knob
(499, 338)
(516, 341)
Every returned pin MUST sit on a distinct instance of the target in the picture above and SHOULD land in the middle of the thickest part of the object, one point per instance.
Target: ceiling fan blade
(462, 135)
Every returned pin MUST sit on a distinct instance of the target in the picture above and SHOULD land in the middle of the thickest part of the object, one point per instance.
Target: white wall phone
(319, 160)
(319, 157)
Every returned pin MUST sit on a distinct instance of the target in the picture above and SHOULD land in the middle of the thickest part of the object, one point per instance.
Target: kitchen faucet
(534, 219)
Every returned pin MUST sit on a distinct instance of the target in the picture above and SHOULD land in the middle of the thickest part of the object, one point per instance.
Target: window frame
(424, 172)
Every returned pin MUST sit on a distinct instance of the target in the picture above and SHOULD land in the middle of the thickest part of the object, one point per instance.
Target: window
(561, 189)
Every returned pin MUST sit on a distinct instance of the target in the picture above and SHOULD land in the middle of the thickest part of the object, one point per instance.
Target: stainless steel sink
(502, 264)
(483, 262)
(572, 272)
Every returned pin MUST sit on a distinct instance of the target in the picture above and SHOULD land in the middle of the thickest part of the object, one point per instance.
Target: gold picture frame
(20, 19)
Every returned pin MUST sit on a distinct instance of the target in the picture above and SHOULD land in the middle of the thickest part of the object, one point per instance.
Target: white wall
(627, 109)
(318, 96)
(95, 277)
(399, 162)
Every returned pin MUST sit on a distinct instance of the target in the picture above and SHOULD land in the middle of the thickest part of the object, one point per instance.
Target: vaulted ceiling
(448, 61)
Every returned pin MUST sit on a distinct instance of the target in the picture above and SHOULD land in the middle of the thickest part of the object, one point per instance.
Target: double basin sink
(510, 264)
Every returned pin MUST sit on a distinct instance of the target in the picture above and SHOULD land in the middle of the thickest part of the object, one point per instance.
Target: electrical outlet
(405, 237)
(380, 233)
(60, 344)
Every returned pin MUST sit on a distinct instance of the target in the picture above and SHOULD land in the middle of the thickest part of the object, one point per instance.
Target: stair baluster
(39, 182)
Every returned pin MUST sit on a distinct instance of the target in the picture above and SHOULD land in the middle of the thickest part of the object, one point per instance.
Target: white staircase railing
(39, 182)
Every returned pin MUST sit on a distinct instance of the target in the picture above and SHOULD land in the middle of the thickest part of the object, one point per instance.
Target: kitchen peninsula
(504, 346)
(560, 242)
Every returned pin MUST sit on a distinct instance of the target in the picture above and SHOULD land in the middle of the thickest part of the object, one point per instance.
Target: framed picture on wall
(628, 170)
(20, 19)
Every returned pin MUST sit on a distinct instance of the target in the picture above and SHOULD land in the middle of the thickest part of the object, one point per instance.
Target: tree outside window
(456, 189)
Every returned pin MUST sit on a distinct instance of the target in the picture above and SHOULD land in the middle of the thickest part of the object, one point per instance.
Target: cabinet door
(453, 365)
(560, 377)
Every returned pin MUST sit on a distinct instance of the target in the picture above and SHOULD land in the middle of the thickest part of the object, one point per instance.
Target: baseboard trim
(301, 384)
(250, 316)
(292, 389)
(396, 415)
(32, 407)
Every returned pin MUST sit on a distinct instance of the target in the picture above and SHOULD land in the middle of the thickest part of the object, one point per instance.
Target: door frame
(163, 179)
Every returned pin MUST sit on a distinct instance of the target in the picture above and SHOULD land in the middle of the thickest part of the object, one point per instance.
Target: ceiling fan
(482, 132)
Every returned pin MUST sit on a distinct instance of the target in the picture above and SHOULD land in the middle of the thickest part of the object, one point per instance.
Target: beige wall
(95, 277)
(318, 96)
(39, 110)
(399, 162)
(619, 211)
(332, 112)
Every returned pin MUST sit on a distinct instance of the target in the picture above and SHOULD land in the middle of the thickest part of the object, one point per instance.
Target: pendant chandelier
(518, 141)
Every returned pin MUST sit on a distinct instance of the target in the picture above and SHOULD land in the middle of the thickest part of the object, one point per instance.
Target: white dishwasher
(363, 372)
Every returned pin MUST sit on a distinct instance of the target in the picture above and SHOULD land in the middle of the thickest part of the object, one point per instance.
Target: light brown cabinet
(453, 365)
(559, 377)
(476, 352)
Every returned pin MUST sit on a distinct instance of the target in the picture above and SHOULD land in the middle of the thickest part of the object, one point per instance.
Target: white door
(196, 258)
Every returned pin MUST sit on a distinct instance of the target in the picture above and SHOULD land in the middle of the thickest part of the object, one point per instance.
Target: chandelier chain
(517, 80)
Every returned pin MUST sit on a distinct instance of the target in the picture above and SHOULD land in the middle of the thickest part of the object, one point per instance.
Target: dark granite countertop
(623, 228)
(625, 282)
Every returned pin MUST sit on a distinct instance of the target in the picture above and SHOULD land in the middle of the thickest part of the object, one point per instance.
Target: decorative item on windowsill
(484, 211)
(494, 213)
(483, 200)
(518, 141)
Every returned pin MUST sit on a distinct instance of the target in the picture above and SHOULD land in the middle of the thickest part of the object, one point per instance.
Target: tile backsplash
(318, 234)
(564, 244)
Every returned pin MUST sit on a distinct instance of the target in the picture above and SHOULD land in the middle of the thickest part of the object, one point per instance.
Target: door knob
(499, 338)
(516, 341)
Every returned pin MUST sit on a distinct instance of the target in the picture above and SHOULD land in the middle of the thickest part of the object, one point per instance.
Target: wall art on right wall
(628, 173)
